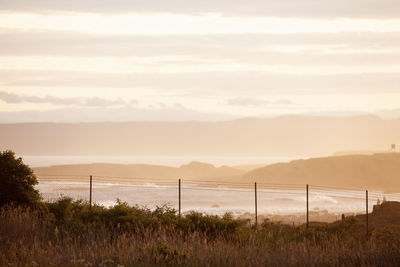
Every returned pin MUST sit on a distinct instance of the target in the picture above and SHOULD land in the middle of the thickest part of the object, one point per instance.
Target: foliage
(16, 181)
(76, 215)
(71, 234)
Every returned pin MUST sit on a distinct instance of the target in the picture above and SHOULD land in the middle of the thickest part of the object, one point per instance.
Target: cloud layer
(11, 98)
(71, 115)
(99, 60)
(282, 8)
(214, 83)
(247, 101)
(293, 49)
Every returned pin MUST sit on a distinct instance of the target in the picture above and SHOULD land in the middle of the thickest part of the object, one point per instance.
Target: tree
(17, 181)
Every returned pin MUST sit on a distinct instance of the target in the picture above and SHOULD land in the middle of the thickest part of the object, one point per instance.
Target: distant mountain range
(131, 172)
(301, 136)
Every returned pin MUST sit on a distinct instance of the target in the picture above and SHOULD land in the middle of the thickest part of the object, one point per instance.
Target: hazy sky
(98, 60)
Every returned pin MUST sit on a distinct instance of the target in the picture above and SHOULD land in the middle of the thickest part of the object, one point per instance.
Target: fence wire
(274, 200)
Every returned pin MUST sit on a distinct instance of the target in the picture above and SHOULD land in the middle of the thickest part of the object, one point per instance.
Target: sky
(179, 60)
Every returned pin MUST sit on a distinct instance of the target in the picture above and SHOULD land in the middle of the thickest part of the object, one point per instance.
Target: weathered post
(255, 201)
(307, 203)
(90, 198)
(366, 212)
(179, 197)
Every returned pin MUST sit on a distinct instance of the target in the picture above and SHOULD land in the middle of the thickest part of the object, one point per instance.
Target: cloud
(389, 113)
(366, 48)
(256, 102)
(318, 52)
(75, 101)
(77, 44)
(70, 115)
(210, 83)
(102, 102)
(282, 8)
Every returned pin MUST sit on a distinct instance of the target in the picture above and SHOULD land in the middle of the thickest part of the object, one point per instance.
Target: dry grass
(33, 238)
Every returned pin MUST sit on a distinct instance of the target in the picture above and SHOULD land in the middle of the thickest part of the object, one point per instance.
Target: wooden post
(366, 212)
(90, 198)
(179, 197)
(307, 203)
(255, 201)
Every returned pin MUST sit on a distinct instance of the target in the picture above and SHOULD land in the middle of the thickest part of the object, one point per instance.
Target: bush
(16, 181)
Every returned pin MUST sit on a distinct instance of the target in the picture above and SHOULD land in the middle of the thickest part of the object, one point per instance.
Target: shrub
(16, 181)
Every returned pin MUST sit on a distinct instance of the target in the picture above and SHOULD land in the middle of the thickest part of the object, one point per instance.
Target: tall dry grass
(37, 238)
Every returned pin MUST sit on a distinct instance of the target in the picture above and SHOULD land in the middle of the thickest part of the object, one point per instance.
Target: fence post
(307, 203)
(179, 197)
(90, 198)
(255, 201)
(366, 212)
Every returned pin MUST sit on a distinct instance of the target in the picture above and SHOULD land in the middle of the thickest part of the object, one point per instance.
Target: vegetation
(17, 181)
(68, 232)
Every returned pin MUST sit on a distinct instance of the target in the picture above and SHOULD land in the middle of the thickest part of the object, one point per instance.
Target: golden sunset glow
(221, 62)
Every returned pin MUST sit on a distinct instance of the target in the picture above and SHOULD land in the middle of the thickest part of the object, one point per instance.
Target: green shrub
(17, 181)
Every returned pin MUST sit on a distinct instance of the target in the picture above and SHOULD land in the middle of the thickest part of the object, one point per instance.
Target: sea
(324, 204)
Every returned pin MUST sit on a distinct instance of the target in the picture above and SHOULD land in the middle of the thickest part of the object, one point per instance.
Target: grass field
(69, 233)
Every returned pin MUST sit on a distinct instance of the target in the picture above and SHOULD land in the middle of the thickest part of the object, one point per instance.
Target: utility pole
(90, 198)
(366, 212)
(255, 201)
(179, 197)
(307, 203)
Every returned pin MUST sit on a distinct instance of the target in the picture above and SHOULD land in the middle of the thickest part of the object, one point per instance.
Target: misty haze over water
(175, 161)
(220, 199)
